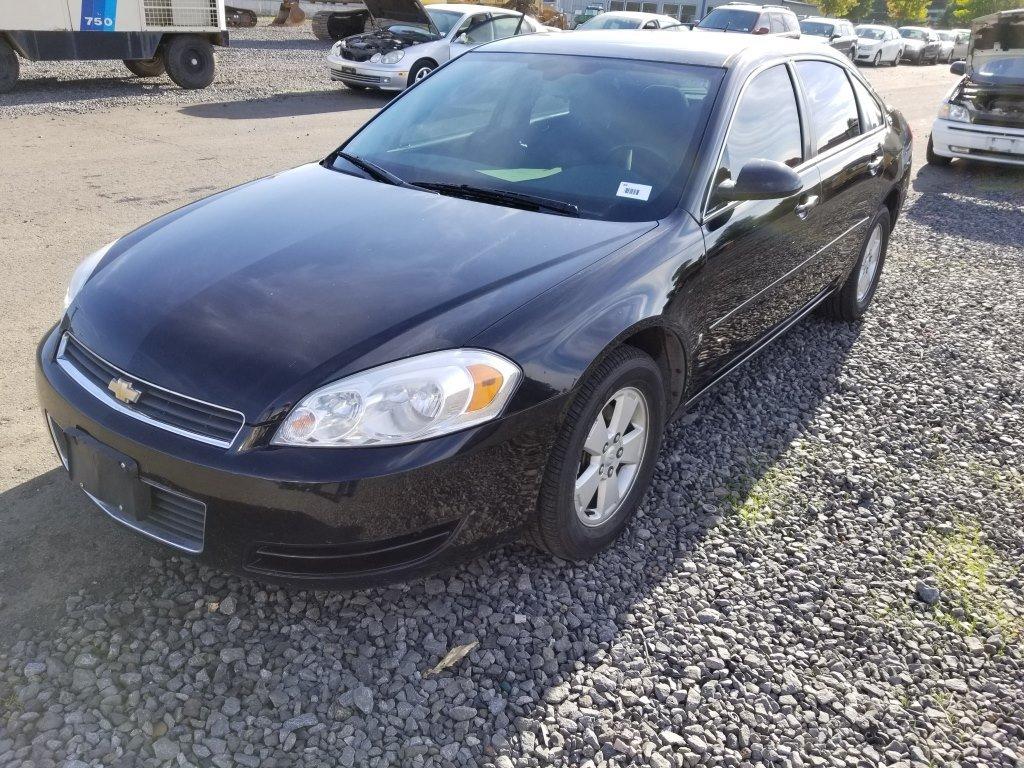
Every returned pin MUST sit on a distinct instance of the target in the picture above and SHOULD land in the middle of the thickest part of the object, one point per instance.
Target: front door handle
(875, 164)
(809, 203)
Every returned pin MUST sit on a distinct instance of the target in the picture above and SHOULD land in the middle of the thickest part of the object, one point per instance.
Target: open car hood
(403, 11)
(996, 55)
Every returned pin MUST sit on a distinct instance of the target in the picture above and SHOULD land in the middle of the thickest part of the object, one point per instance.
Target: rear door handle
(809, 203)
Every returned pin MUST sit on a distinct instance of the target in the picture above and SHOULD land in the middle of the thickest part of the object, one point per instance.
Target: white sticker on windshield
(634, 191)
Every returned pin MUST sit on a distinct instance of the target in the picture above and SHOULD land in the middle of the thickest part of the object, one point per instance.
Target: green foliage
(837, 9)
(908, 10)
(966, 10)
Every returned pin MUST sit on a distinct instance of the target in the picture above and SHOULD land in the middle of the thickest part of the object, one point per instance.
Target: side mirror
(761, 180)
(834, 36)
(958, 68)
(760, 31)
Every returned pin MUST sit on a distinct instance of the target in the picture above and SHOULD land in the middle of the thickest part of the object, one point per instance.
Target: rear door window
(871, 115)
(831, 103)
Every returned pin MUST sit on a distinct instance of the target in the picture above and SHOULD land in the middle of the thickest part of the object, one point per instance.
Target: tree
(908, 10)
(967, 10)
(836, 9)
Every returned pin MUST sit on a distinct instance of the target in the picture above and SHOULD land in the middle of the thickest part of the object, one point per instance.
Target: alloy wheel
(869, 264)
(611, 457)
(422, 72)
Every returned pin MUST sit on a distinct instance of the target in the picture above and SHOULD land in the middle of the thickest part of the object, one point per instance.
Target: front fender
(560, 335)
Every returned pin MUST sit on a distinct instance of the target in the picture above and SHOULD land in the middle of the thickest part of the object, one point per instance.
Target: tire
(559, 527)
(321, 24)
(190, 62)
(934, 159)
(10, 67)
(420, 70)
(852, 299)
(146, 67)
(878, 60)
(896, 61)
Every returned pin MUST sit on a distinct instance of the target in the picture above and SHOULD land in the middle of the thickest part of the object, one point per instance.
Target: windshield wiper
(374, 170)
(503, 197)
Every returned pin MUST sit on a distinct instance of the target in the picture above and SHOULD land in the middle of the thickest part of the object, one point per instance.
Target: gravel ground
(827, 571)
(262, 61)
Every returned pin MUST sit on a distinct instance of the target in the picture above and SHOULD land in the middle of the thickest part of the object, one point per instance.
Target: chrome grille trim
(107, 398)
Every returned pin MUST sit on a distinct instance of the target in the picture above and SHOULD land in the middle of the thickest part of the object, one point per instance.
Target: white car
(632, 20)
(948, 40)
(963, 39)
(982, 117)
(878, 44)
(409, 41)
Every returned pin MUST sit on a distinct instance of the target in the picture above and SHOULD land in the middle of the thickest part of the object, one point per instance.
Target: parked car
(487, 304)
(752, 19)
(947, 42)
(411, 41)
(963, 39)
(631, 20)
(879, 44)
(982, 117)
(920, 45)
(838, 33)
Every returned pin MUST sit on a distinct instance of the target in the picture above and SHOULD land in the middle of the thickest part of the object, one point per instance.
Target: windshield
(947, 36)
(729, 19)
(614, 137)
(816, 28)
(870, 34)
(1008, 68)
(913, 34)
(443, 20)
(608, 21)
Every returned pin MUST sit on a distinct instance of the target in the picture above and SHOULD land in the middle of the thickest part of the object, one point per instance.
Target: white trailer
(150, 36)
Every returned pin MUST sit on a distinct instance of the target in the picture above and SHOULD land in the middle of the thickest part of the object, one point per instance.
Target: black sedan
(485, 306)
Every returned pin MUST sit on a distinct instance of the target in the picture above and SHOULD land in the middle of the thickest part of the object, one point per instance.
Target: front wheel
(851, 300)
(934, 159)
(878, 59)
(10, 67)
(190, 62)
(603, 458)
(420, 70)
(146, 67)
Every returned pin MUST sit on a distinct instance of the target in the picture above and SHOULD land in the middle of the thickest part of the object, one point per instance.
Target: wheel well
(667, 351)
(892, 202)
(426, 60)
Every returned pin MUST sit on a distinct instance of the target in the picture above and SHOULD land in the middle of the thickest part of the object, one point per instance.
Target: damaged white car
(409, 41)
(982, 118)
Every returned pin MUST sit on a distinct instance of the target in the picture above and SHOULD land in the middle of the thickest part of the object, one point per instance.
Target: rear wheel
(604, 457)
(10, 67)
(146, 67)
(934, 159)
(190, 62)
(851, 301)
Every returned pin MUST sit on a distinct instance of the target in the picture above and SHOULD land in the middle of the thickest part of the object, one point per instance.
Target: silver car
(878, 44)
(409, 41)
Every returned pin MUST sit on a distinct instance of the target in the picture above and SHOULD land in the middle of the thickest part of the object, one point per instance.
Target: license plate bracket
(108, 476)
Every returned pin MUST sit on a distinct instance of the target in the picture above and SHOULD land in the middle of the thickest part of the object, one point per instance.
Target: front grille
(160, 407)
(350, 559)
(181, 13)
(176, 519)
(355, 77)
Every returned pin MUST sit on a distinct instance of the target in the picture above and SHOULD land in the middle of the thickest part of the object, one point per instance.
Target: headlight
(375, 58)
(404, 401)
(336, 48)
(82, 273)
(392, 57)
(954, 112)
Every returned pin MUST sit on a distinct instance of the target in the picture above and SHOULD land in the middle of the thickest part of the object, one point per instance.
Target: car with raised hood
(631, 20)
(486, 306)
(409, 41)
(878, 44)
(838, 33)
(982, 117)
(751, 19)
(920, 45)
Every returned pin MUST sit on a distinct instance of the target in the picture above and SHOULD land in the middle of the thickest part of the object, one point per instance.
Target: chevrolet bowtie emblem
(124, 391)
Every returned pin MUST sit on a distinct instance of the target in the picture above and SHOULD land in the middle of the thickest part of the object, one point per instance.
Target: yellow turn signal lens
(487, 383)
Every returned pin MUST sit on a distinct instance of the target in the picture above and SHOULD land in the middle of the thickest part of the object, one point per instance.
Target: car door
(754, 247)
(850, 157)
(474, 30)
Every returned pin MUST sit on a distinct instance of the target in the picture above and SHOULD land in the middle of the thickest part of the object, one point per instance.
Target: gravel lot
(827, 571)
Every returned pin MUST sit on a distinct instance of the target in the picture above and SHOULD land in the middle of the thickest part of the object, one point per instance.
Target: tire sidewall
(177, 67)
(881, 218)
(416, 68)
(643, 374)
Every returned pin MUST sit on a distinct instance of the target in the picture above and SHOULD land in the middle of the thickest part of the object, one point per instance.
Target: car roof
(701, 49)
(632, 15)
(466, 8)
(874, 26)
(923, 29)
(826, 19)
(753, 7)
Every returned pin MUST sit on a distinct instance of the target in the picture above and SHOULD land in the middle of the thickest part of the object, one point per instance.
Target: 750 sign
(99, 21)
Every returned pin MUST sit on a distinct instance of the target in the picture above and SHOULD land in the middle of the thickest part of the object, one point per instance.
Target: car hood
(404, 11)
(996, 54)
(253, 297)
(912, 44)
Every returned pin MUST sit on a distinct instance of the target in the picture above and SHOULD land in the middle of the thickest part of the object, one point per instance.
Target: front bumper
(384, 77)
(994, 144)
(865, 54)
(334, 518)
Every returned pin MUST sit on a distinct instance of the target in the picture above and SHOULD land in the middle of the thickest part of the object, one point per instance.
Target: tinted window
(766, 125)
(615, 137)
(870, 113)
(730, 19)
(833, 108)
(816, 28)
